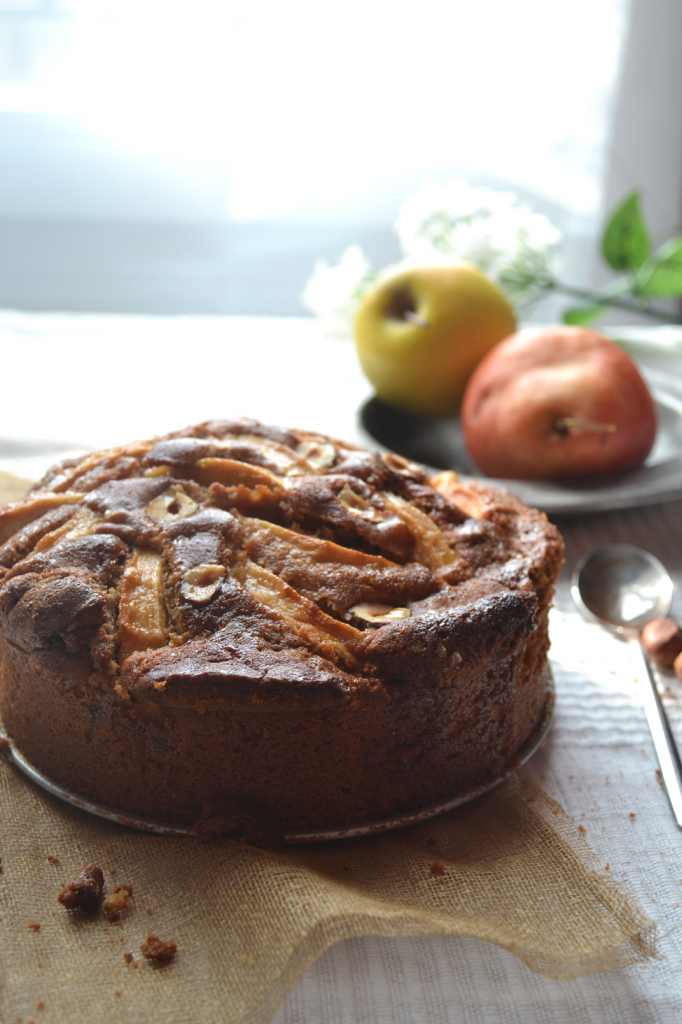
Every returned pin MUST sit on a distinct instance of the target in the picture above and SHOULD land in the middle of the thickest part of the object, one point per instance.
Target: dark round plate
(438, 443)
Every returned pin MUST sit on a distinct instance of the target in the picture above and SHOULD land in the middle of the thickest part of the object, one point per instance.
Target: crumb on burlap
(632, 814)
(155, 949)
(33, 926)
(41, 1005)
(128, 957)
(581, 828)
(52, 860)
(117, 901)
(437, 868)
(85, 892)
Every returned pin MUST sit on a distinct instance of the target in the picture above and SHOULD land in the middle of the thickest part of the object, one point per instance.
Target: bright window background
(198, 155)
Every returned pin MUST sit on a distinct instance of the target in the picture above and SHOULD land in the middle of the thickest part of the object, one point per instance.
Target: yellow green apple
(421, 331)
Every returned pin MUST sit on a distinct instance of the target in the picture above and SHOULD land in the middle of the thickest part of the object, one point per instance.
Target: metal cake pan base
(530, 746)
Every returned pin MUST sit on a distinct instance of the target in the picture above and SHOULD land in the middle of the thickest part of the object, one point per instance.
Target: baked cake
(245, 629)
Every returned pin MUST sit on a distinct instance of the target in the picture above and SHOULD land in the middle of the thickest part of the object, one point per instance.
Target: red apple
(558, 402)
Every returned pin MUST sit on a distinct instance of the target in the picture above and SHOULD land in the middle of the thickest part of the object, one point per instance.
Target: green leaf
(665, 280)
(625, 244)
(581, 315)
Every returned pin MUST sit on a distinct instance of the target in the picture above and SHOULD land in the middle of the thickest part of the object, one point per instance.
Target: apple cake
(250, 630)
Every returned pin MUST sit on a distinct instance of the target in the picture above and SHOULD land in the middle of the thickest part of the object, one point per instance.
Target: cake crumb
(128, 957)
(117, 901)
(41, 1005)
(157, 950)
(581, 828)
(33, 926)
(437, 868)
(52, 860)
(117, 994)
(149, 910)
(608, 865)
(632, 814)
(85, 891)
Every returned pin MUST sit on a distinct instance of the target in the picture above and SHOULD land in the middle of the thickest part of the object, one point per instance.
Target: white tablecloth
(73, 382)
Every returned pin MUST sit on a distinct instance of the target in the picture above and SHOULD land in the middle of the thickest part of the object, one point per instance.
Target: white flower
(334, 293)
(508, 241)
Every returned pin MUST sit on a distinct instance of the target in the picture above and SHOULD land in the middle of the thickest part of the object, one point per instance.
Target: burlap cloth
(248, 922)
(511, 868)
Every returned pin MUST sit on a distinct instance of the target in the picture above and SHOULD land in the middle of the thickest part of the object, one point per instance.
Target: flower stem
(595, 299)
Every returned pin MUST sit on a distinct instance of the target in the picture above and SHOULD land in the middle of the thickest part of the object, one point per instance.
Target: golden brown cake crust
(262, 630)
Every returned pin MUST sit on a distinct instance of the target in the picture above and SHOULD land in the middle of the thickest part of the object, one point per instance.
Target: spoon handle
(664, 742)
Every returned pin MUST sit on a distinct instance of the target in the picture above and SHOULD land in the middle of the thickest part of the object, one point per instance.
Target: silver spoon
(623, 588)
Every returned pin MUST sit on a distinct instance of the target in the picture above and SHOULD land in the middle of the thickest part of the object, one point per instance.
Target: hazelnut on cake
(259, 631)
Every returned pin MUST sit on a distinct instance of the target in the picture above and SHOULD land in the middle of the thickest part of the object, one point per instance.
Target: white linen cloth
(75, 382)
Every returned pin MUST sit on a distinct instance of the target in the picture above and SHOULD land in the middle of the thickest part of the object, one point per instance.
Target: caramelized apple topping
(277, 454)
(431, 548)
(260, 534)
(333, 638)
(326, 572)
(451, 487)
(18, 514)
(371, 611)
(142, 609)
(63, 481)
(357, 506)
(231, 473)
(174, 503)
(312, 578)
(318, 454)
(200, 584)
(401, 465)
(80, 525)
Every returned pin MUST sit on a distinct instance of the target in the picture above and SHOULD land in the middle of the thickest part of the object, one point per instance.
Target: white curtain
(270, 118)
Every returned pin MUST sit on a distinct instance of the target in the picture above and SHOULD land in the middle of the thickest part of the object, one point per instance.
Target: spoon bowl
(622, 587)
